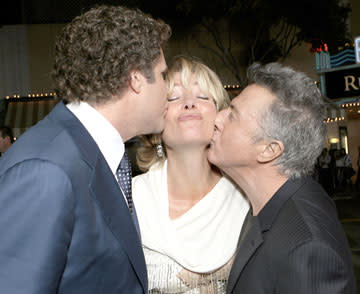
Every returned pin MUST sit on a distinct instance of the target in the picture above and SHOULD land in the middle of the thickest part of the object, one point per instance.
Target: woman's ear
(270, 151)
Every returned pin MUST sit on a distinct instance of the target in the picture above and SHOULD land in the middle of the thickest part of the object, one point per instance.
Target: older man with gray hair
(267, 141)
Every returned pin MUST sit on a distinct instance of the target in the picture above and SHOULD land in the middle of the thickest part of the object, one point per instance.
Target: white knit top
(166, 276)
(192, 253)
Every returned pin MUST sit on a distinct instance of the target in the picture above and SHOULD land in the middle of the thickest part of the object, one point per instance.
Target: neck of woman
(190, 177)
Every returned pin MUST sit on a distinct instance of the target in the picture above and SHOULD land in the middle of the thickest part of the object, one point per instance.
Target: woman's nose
(189, 102)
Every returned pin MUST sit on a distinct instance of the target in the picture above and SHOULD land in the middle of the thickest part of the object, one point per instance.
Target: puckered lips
(190, 117)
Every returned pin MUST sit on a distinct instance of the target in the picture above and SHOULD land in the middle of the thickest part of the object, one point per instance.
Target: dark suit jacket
(294, 245)
(64, 224)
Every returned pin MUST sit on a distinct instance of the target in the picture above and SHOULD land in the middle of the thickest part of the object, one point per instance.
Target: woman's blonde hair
(209, 83)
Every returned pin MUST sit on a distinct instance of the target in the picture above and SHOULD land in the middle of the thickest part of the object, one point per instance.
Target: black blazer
(64, 224)
(295, 245)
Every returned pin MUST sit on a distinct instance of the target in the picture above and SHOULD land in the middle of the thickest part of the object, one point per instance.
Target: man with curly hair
(65, 223)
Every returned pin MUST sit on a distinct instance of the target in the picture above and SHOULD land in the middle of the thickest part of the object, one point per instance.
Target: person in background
(325, 177)
(344, 168)
(66, 218)
(292, 240)
(6, 138)
(358, 173)
(332, 165)
(190, 215)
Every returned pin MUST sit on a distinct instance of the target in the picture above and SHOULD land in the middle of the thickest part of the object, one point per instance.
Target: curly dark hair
(96, 52)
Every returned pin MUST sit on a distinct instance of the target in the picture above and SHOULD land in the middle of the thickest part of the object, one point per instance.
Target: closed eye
(233, 113)
(203, 97)
(164, 74)
(173, 98)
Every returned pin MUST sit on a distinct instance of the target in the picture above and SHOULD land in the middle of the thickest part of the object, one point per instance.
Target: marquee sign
(343, 83)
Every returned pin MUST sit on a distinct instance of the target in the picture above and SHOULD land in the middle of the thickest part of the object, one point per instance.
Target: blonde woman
(190, 215)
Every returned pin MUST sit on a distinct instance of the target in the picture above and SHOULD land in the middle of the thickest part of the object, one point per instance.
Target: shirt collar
(102, 131)
(270, 211)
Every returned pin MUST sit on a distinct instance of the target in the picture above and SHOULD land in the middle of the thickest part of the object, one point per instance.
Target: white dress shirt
(102, 131)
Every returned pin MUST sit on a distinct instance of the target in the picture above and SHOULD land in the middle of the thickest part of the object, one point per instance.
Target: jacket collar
(254, 227)
(270, 211)
(248, 245)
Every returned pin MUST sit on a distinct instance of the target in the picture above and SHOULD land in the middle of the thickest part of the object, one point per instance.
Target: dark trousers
(326, 180)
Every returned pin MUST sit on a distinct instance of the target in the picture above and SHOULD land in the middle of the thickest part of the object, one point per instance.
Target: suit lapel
(105, 190)
(107, 194)
(247, 247)
(254, 237)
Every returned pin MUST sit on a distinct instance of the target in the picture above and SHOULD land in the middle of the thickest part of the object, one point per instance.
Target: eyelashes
(172, 99)
(164, 75)
(178, 97)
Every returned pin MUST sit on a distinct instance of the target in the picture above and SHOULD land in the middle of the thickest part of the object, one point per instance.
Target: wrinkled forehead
(253, 100)
(255, 96)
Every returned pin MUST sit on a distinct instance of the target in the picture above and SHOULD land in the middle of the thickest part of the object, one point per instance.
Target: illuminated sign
(357, 49)
(343, 83)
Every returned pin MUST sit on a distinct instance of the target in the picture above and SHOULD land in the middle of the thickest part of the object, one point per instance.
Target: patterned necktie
(123, 175)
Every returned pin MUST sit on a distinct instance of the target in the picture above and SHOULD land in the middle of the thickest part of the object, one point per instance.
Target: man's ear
(270, 151)
(136, 81)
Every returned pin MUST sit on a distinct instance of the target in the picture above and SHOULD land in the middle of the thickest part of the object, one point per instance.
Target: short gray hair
(294, 118)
